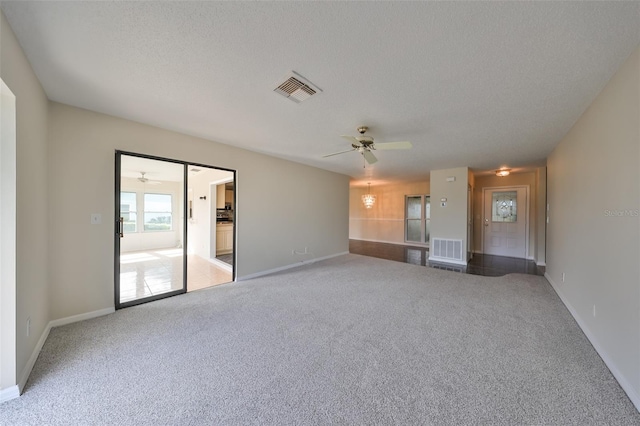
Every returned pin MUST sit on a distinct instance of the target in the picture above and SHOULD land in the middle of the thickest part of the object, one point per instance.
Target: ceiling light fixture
(503, 172)
(368, 199)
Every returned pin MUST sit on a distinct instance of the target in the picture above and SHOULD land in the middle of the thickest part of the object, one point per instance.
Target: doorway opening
(8, 288)
(165, 225)
(211, 225)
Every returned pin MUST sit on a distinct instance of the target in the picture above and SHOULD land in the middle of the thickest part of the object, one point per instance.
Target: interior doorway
(506, 221)
(211, 227)
(166, 220)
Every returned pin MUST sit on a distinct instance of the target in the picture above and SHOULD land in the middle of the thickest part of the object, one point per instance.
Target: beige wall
(282, 206)
(32, 287)
(385, 221)
(537, 194)
(593, 234)
(450, 222)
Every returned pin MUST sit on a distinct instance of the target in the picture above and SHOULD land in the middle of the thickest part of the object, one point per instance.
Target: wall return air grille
(447, 249)
(296, 87)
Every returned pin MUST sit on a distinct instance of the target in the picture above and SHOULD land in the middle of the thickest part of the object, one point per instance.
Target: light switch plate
(96, 218)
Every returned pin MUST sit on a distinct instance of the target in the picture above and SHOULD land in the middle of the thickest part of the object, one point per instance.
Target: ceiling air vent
(297, 88)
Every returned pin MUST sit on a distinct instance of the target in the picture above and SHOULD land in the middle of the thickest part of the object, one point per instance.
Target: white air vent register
(296, 87)
(446, 250)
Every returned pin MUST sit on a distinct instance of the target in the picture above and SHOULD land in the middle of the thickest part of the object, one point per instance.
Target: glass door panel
(427, 218)
(414, 219)
(417, 218)
(150, 231)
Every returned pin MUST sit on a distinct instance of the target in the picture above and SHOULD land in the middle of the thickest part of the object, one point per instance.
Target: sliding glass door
(150, 229)
(417, 218)
(175, 227)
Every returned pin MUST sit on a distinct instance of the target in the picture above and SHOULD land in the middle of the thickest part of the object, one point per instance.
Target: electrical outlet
(563, 277)
(96, 218)
(28, 326)
(594, 311)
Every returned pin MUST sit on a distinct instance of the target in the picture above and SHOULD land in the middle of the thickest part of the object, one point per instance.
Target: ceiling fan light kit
(365, 145)
(146, 180)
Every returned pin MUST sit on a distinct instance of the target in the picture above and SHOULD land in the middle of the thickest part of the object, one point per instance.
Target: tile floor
(152, 272)
(201, 273)
(226, 258)
(487, 265)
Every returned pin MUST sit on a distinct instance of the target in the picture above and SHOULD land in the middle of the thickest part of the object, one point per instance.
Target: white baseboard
(26, 371)
(81, 317)
(293, 265)
(624, 383)
(9, 393)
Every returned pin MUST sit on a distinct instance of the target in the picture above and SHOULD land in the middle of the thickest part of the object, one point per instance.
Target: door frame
(423, 221)
(117, 237)
(527, 221)
(185, 220)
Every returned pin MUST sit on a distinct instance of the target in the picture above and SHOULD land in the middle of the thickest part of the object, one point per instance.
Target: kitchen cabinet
(228, 198)
(224, 238)
(220, 196)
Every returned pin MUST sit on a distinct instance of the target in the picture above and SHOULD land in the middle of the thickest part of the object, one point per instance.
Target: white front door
(505, 221)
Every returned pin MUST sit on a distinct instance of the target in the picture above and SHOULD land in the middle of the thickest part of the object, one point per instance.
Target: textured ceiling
(481, 84)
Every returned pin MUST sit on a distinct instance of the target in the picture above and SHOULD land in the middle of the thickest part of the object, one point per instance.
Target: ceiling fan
(146, 180)
(364, 145)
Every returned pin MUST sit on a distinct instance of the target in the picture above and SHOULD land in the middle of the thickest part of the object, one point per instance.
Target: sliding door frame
(185, 164)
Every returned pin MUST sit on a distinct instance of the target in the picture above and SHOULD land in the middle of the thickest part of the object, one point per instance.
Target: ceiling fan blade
(393, 145)
(368, 155)
(336, 153)
(351, 139)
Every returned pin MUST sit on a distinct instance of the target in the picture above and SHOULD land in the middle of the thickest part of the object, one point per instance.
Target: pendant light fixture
(368, 199)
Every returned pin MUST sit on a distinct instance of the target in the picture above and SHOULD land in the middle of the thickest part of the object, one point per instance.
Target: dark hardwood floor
(487, 265)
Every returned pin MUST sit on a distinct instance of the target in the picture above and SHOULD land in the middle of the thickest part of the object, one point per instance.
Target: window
(417, 218)
(128, 211)
(157, 212)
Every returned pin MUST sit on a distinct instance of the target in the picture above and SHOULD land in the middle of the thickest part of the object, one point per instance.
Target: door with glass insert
(505, 222)
(150, 229)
